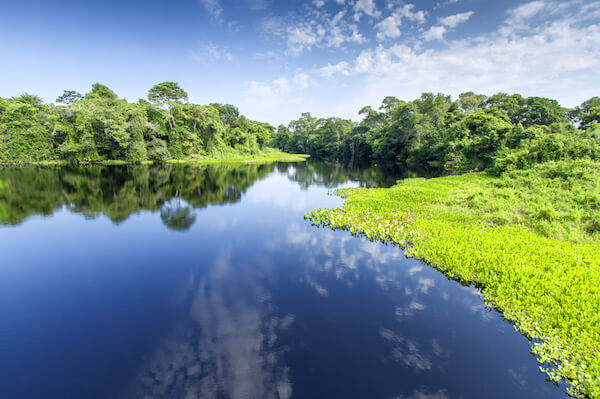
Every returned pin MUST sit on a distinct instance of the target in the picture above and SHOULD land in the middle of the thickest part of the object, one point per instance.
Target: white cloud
(341, 68)
(318, 30)
(367, 7)
(300, 38)
(390, 26)
(319, 3)
(269, 88)
(557, 58)
(338, 17)
(527, 10)
(519, 16)
(435, 33)
(213, 7)
(407, 12)
(301, 80)
(282, 85)
(387, 28)
(452, 21)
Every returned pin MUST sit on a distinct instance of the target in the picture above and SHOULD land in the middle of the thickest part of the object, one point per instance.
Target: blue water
(207, 282)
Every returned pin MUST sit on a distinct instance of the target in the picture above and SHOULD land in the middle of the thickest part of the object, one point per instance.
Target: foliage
(435, 134)
(101, 127)
(530, 239)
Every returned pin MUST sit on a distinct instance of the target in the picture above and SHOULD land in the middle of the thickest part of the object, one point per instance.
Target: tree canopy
(99, 126)
(439, 135)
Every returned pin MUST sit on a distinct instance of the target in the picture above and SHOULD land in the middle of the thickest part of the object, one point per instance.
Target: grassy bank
(530, 240)
(264, 156)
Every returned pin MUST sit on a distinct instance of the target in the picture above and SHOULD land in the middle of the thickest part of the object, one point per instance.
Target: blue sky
(275, 59)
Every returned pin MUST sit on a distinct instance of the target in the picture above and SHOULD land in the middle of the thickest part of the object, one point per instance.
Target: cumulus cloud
(542, 48)
(435, 33)
(367, 7)
(302, 37)
(519, 17)
(320, 29)
(548, 58)
(390, 26)
(282, 85)
(452, 21)
(330, 70)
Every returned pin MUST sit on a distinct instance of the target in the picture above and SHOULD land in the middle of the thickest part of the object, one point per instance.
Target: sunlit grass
(530, 240)
(264, 156)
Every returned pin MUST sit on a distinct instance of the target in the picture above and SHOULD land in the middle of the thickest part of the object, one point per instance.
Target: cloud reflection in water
(226, 347)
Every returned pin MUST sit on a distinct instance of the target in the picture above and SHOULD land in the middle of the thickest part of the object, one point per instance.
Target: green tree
(165, 94)
(69, 97)
(100, 91)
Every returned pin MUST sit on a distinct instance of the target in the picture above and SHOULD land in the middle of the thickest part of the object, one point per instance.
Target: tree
(471, 102)
(101, 91)
(69, 97)
(229, 113)
(167, 93)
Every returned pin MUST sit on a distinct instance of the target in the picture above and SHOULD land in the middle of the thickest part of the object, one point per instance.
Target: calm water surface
(206, 282)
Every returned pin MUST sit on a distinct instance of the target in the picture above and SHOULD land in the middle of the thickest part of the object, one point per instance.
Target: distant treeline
(498, 133)
(99, 126)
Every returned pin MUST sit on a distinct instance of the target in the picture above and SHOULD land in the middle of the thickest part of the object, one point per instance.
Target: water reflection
(175, 190)
(246, 300)
(226, 345)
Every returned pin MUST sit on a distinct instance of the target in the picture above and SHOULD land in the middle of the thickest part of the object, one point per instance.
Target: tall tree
(165, 94)
(69, 97)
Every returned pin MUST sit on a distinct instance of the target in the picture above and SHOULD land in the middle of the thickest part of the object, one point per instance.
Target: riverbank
(529, 239)
(265, 156)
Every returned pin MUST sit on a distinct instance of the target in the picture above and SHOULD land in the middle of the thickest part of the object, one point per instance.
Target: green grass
(530, 240)
(265, 156)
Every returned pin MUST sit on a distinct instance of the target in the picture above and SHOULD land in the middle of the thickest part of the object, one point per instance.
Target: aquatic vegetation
(529, 239)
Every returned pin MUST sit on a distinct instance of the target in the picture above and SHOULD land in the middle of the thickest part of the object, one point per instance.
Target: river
(181, 281)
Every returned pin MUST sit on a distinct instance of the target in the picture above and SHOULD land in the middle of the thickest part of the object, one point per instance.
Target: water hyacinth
(526, 239)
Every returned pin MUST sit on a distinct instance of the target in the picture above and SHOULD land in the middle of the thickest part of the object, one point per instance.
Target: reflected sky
(208, 283)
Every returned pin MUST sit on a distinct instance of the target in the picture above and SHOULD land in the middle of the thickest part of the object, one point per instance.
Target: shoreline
(267, 158)
(475, 229)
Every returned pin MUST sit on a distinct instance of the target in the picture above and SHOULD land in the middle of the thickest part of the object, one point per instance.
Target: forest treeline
(443, 136)
(99, 126)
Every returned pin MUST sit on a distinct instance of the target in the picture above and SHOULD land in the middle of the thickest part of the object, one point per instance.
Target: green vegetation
(437, 135)
(98, 127)
(526, 231)
(530, 239)
(525, 228)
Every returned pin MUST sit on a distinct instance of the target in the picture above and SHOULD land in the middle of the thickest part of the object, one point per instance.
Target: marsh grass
(266, 155)
(529, 239)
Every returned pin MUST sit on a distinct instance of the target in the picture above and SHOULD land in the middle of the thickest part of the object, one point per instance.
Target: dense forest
(99, 126)
(436, 134)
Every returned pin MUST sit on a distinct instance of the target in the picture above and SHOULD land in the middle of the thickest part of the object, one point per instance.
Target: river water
(181, 281)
